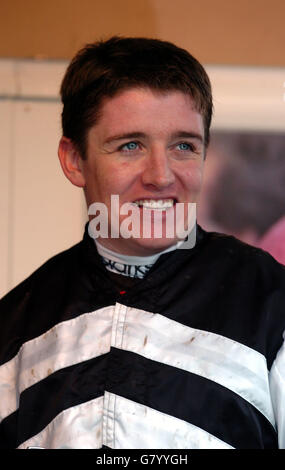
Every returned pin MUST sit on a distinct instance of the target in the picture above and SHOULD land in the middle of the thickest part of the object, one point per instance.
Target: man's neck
(132, 266)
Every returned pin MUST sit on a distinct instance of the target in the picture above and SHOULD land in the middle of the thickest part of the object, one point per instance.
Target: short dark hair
(104, 68)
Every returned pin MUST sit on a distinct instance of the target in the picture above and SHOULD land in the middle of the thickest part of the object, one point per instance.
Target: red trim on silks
(122, 292)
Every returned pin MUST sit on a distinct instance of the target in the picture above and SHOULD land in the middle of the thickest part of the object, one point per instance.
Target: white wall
(41, 212)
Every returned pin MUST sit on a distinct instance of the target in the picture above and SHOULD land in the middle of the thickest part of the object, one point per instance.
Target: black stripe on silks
(8, 432)
(43, 401)
(192, 398)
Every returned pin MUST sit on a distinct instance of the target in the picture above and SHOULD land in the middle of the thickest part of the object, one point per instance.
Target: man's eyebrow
(129, 135)
(188, 135)
(139, 135)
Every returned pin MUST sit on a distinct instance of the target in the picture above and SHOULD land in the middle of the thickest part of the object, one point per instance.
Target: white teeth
(155, 204)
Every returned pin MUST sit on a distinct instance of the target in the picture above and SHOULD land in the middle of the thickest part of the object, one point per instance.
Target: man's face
(146, 146)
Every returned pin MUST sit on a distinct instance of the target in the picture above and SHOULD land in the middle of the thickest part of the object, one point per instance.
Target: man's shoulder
(240, 261)
(51, 269)
(40, 301)
(248, 291)
(231, 247)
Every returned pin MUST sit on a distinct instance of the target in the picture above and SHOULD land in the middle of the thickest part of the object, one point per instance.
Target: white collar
(132, 260)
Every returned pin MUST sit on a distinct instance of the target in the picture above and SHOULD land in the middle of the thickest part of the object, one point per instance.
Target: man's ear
(71, 162)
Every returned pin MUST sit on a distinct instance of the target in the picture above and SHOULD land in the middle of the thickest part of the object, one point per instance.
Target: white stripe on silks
(130, 425)
(277, 387)
(120, 423)
(79, 427)
(68, 343)
(217, 358)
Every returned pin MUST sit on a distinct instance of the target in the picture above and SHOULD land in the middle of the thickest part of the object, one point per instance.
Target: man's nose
(157, 170)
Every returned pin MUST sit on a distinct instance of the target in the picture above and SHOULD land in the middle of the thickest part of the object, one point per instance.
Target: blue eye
(184, 146)
(130, 146)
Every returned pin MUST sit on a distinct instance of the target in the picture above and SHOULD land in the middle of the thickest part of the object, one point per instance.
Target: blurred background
(241, 45)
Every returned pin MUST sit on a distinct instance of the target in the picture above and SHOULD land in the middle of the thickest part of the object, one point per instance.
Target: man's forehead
(133, 106)
(138, 94)
(151, 115)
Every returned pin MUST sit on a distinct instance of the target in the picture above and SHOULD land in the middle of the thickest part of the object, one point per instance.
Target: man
(141, 341)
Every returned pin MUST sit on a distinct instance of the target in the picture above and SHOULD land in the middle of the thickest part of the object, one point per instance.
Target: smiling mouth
(156, 204)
